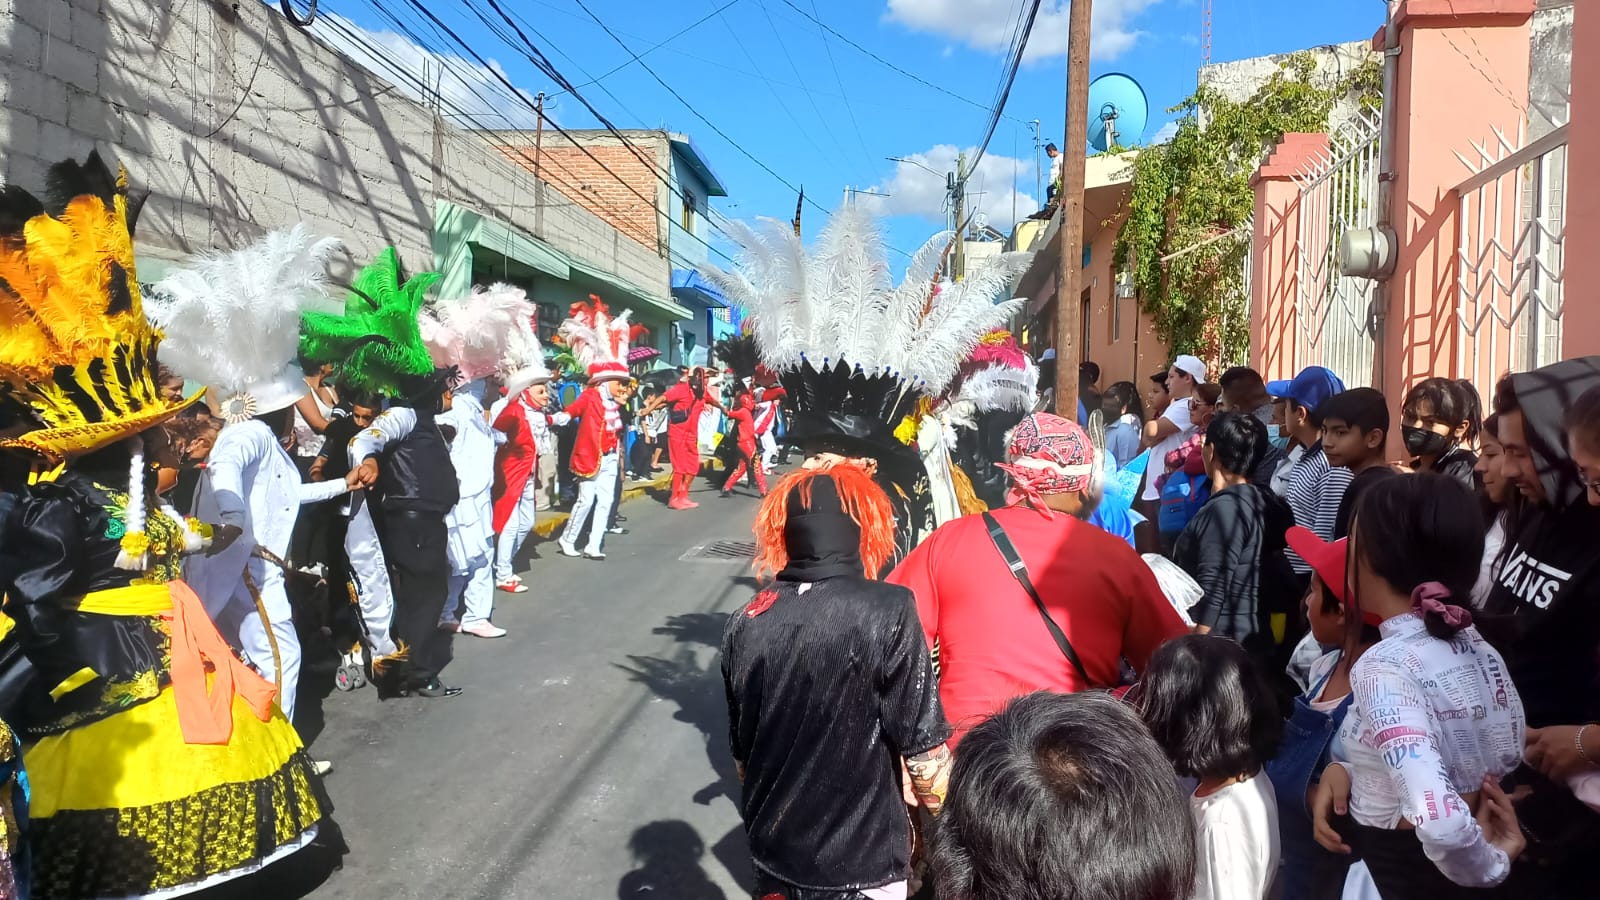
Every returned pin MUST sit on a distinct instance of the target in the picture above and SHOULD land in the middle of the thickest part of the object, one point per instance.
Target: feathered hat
(598, 341)
(523, 366)
(377, 344)
(740, 354)
(997, 376)
(77, 355)
(232, 319)
(473, 335)
(853, 351)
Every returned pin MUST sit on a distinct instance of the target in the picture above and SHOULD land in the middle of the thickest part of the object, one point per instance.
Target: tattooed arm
(930, 777)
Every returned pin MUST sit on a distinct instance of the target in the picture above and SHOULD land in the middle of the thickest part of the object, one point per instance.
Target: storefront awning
(662, 306)
(689, 285)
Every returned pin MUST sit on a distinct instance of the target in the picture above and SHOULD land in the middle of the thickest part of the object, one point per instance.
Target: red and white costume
(600, 342)
(767, 413)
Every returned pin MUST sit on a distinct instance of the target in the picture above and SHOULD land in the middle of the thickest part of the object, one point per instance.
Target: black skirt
(1400, 868)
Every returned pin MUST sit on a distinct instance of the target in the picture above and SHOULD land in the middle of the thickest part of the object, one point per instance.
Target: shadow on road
(702, 702)
(668, 854)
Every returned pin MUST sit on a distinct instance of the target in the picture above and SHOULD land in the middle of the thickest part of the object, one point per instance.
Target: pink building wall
(1580, 333)
(1463, 73)
(1275, 275)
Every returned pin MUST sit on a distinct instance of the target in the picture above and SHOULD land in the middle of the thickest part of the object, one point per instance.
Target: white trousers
(597, 493)
(769, 449)
(254, 639)
(520, 523)
(472, 592)
(371, 575)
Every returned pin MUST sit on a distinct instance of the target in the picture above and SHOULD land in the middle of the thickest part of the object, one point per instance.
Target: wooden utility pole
(958, 189)
(1072, 179)
(538, 134)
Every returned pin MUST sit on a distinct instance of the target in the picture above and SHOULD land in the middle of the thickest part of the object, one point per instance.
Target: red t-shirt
(992, 644)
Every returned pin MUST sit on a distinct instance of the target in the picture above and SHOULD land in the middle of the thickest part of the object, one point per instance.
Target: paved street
(587, 757)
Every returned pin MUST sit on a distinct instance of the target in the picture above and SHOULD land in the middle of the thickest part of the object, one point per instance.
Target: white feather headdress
(232, 320)
(475, 333)
(599, 341)
(840, 303)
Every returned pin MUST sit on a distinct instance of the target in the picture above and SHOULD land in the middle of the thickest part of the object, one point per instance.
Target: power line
(911, 75)
(839, 81)
(675, 35)
(1010, 79)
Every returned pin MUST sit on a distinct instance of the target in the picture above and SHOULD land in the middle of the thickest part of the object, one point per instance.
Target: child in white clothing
(1216, 718)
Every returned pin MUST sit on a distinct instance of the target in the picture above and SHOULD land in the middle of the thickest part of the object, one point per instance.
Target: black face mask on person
(1422, 442)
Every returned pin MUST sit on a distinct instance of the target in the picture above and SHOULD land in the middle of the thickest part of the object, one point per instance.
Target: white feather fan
(474, 333)
(232, 320)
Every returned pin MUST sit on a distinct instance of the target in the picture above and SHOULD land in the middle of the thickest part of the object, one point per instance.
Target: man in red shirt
(992, 641)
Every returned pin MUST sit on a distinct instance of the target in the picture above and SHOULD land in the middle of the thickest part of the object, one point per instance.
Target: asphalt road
(587, 757)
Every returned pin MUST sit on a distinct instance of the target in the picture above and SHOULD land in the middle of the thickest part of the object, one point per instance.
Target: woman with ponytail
(1435, 722)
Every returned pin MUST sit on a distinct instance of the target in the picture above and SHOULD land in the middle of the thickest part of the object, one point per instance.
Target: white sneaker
(483, 629)
(568, 550)
(321, 767)
(593, 555)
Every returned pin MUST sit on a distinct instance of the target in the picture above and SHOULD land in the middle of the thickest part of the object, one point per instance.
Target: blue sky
(823, 114)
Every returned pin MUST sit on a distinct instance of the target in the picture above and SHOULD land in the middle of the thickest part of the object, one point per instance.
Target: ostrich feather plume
(232, 319)
(475, 333)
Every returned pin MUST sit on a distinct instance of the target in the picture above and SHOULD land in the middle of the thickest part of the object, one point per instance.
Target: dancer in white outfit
(232, 322)
(600, 344)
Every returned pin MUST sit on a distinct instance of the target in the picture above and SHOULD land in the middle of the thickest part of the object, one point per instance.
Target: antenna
(1205, 32)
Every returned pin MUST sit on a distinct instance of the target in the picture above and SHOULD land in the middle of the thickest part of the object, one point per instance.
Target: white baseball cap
(1192, 366)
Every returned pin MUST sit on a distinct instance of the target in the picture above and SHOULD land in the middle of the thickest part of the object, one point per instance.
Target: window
(689, 209)
(550, 319)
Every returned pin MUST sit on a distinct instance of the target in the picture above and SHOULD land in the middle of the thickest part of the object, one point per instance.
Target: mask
(1422, 442)
(1276, 437)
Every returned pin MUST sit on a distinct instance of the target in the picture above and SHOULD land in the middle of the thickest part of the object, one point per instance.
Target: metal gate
(1338, 193)
(1511, 257)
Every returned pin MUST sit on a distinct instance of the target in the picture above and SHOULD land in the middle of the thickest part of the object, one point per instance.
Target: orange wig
(861, 498)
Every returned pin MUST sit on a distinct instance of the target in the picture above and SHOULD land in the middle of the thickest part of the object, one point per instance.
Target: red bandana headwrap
(1048, 455)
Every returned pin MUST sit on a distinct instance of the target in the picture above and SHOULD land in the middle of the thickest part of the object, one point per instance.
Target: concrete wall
(1550, 67)
(1240, 79)
(689, 248)
(237, 122)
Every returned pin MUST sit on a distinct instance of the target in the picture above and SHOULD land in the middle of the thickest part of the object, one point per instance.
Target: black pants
(419, 575)
(1400, 868)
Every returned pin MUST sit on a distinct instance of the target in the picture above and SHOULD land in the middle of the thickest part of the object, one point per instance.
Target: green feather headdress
(376, 345)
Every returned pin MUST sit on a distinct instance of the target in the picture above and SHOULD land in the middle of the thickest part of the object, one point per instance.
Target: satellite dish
(1118, 111)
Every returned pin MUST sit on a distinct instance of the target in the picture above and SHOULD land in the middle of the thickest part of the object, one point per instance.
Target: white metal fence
(1510, 257)
(1338, 193)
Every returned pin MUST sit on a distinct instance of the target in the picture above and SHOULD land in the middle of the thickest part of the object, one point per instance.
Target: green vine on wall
(1197, 186)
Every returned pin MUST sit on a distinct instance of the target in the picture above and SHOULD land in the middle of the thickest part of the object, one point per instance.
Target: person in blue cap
(1313, 487)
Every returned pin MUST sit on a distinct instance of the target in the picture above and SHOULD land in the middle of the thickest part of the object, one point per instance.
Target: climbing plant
(1197, 187)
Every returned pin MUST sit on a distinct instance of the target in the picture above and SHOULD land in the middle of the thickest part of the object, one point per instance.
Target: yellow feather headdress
(76, 353)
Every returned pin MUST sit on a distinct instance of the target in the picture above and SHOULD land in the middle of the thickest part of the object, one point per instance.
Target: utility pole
(1072, 185)
(958, 188)
(538, 133)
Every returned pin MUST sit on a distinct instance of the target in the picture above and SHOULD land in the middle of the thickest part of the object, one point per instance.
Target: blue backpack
(1181, 497)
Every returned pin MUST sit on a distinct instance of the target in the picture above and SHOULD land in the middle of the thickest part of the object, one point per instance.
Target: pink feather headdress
(598, 340)
(473, 333)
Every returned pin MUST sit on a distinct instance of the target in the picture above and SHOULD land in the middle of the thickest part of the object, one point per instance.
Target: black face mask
(1422, 442)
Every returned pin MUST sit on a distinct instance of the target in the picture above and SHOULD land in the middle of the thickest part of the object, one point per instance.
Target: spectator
(1309, 870)
(1436, 721)
(1543, 612)
(1212, 713)
(1157, 397)
(1088, 389)
(1502, 506)
(1202, 408)
(1174, 425)
(1087, 585)
(1063, 796)
(1312, 486)
(1125, 412)
(1438, 419)
(1355, 435)
(1233, 548)
(1054, 187)
(1243, 390)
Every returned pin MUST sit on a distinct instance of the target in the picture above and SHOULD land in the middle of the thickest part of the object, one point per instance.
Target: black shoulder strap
(1008, 552)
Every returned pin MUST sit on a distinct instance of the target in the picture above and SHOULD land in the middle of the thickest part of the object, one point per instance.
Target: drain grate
(722, 551)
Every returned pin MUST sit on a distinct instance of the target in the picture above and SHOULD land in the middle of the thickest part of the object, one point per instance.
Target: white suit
(471, 521)
(251, 483)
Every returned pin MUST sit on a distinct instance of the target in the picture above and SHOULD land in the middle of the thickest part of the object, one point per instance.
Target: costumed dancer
(854, 352)
(600, 344)
(743, 416)
(157, 762)
(832, 698)
(471, 335)
(769, 411)
(232, 322)
(685, 401)
(524, 422)
(377, 346)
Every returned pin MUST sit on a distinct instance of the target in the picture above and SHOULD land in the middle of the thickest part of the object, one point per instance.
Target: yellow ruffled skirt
(124, 807)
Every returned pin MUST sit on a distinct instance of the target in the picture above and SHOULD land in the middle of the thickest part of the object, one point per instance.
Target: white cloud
(1167, 133)
(914, 191)
(989, 24)
(469, 94)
